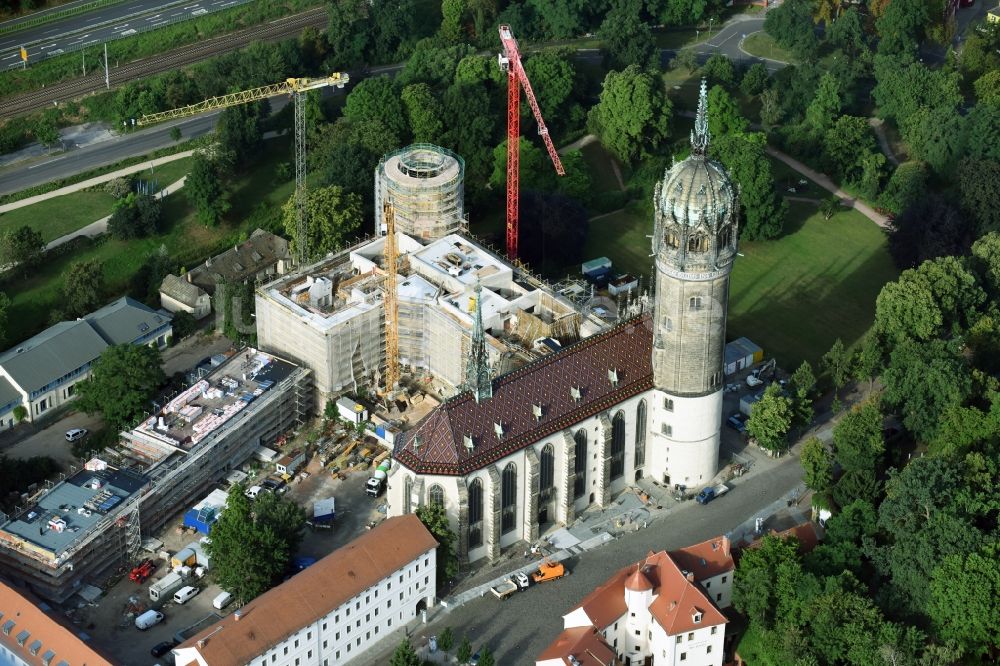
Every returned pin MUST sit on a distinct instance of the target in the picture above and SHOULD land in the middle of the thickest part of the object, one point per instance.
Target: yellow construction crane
(390, 301)
(296, 87)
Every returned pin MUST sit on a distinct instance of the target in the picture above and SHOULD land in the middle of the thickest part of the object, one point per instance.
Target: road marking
(12, 55)
(56, 52)
(159, 23)
(199, 12)
(49, 162)
(130, 31)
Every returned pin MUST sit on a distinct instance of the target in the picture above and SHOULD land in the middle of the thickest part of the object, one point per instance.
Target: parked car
(75, 434)
(475, 659)
(253, 491)
(185, 594)
(148, 619)
(737, 422)
(163, 648)
(222, 600)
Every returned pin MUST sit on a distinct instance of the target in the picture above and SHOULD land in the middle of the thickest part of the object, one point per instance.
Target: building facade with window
(509, 457)
(333, 611)
(657, 611)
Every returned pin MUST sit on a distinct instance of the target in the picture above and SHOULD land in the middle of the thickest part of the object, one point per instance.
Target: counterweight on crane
(297, 88)
(510, 62)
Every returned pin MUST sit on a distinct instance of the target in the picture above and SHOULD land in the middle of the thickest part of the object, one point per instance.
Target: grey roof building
(129, 321)
(54, 353)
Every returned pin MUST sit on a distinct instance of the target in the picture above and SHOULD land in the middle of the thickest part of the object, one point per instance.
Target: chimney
(237, 614)
(690, 577)
(201, 643)
(188, 274)
(536, 410)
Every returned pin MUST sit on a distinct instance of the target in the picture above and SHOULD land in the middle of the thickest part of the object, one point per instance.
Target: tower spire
(477, 372)
(700, 136)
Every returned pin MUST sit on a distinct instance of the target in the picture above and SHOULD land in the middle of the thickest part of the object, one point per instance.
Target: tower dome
(696, 207)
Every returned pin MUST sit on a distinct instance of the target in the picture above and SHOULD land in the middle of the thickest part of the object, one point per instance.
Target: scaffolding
(425, 183)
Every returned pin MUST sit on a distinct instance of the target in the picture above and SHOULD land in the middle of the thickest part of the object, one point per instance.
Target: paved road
(106, 24)
(518, 629)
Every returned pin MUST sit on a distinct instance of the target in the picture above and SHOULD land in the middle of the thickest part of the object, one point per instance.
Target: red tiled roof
(607, 603)
(706, 559)
(805, 533)
(626, 349)
(638, 582)
(584, 644)
(55, 634)
(313, 593)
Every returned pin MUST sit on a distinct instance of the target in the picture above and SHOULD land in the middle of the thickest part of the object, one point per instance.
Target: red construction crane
(510, 62)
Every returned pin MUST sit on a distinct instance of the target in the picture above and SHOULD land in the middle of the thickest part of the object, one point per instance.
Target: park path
(883, 141)
(828, 185)
(96, 180)
(101, 226)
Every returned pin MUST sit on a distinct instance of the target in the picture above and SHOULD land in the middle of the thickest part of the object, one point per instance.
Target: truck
(549, 570)
(142, 571)
(166, 586)
(504, 589)
(323, 514)
(709, 493)
(376, 484)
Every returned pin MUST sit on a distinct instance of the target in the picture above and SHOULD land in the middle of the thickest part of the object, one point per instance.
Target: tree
(83, 288)
(446, 641)
(377, 98)
(979, 185)
(936, 136)
(22, 246)
(551, 74)
(633, 115)
(433, 64)
(988, 88)
(770, 107)
(846, 143)
(857, 484)
(791, 26)
(239, 132)
(424, 113)
(931, 227)
(4, 317)
(175, 134)
(533, 164)
(801, 388)
(452, 12)
(628, 39)
(122, 381)
(924, 380)
(817, 464)
(561, 19)
(771, 419)
(347, 33)
(857, 438)
(756, 592)
(755, 79)
(686, 58)
(965, 599)
(825, 106)
(724, 116)
(205, 191)
(983, 132)
(464, 652)
(404, 655)
(869, 361)
(837, 364)
(902, 86)
(719, 68)
(577, 183)
(901, 26)
(135, 216)
(907, 185)
(986, 262)
(333, 217)
(486, 656)
(249, 550)
(435, 519)
(829, 206)
(848, 33)
(746, 160)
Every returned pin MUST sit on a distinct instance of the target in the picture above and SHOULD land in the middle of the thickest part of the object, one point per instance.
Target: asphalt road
(519, 628)
(109, 23)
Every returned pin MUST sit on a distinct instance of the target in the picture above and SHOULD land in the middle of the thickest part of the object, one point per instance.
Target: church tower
(694, 244)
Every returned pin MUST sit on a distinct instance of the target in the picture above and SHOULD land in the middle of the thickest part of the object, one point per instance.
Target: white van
(222, 600)
(253, 492)
(185, 594)
(148, 619)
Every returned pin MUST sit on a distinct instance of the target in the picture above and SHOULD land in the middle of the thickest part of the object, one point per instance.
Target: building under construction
(425, 183)
(330, 316)
(83, 528)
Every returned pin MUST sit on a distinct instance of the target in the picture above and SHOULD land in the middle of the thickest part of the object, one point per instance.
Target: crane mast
(297, 88)
(391, 301)
(510, 62)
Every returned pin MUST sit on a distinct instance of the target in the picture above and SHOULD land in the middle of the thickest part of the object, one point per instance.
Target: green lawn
(65, 214)
(255, 198)
(762, 45)
(676, 38)
(794, 296)
(599, 161)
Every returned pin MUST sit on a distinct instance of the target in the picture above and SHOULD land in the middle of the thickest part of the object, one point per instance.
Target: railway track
(44, 98)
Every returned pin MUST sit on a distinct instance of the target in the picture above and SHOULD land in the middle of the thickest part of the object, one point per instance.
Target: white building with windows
(510, 457)
(662, 610)
(333, 611)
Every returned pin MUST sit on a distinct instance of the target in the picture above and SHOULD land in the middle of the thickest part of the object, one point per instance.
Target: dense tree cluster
(121, 383)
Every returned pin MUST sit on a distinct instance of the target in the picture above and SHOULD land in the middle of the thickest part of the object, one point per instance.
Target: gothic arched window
(618, 445)
(580, 464)
(547, 471)
(435, 496)
(475, 513)
(640, 434)
(508, 498)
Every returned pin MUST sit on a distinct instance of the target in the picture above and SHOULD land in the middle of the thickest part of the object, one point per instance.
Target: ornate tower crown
(700, 135)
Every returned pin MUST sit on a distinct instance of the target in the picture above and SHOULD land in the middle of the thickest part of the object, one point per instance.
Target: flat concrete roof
(80, 503)
(460, 259)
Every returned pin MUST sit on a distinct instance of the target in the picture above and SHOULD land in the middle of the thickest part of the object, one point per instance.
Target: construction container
(184, 557)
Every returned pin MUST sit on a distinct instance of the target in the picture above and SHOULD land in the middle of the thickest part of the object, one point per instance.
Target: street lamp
(709, 26)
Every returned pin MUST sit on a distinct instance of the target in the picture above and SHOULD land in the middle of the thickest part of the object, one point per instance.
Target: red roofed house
(663, 610)
(510, 457)
(30, 634)
(331, 612)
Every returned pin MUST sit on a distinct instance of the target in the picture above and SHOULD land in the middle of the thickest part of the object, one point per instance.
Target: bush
(20, 413)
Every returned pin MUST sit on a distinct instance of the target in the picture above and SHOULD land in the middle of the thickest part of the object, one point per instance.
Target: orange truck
(549, 570)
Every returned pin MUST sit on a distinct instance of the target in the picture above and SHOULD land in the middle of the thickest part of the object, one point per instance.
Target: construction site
(92, 523)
